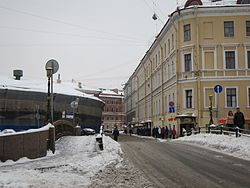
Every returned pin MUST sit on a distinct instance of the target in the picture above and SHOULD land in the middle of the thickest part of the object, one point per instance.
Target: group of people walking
(164, 132)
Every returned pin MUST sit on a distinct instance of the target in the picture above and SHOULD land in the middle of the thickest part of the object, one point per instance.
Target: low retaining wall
(31, 144)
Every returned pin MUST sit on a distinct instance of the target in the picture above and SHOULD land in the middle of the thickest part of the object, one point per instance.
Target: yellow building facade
(199, 47)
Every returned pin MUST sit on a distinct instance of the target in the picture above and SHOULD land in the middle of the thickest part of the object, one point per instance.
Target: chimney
(80, 84)
(18, 74)
(58, 79)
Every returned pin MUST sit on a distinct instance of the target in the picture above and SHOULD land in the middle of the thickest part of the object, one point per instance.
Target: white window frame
(224, 59)
(184, 98)
(203, 58)
(248, 98)
(237, 96)
(246, 58)
(183, 61)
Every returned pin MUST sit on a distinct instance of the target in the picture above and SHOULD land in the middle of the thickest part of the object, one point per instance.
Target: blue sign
(171, 103)
(218, 88)
(171, 109)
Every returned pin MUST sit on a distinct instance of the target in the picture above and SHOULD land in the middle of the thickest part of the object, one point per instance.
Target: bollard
(221, 129)
(99, 141)
(237, 132)
(209, 129)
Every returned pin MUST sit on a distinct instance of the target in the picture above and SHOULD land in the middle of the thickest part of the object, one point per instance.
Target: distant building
(113, 113)
(203, 44)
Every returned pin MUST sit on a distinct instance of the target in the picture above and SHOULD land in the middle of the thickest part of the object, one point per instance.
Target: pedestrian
(163, 132)
(166, 132)
(170, 132)
(174, 132)
(116, 134)
(239, 119)
(130, 131)
(230, 120)
(159, 132)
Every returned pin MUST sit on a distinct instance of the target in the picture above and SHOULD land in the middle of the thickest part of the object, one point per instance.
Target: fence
(220, 129)
(31, 144)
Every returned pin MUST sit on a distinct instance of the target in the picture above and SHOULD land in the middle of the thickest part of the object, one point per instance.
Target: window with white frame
(168, 45)
(230, 59)
(173, 68)
(172, 43)
(228, 29)
(231, 98)
(189, 98)
(248, 96)
(187, 32)
(248, 59)
(248, 28)
(169, 71)
(187, 63)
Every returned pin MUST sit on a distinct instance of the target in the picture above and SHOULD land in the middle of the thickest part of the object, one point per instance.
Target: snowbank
(237, 147)
(75, 162)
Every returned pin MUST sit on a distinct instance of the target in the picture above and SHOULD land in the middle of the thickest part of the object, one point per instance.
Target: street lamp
(49, 71)
(211, 121)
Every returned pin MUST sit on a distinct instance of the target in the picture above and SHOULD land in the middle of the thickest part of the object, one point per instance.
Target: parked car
(87, 131)
(5, 131)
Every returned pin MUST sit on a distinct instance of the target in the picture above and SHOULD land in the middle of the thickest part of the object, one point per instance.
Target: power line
(64, 34)
(67, 23)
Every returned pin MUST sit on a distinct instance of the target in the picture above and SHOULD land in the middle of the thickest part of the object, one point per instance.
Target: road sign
(218, 88)
(171, 103)
(74, 104)
(52, 64)
(171, 109)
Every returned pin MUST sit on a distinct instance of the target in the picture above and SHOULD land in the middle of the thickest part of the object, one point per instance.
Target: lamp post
(51, 68)
(49, 75)
(211, 121)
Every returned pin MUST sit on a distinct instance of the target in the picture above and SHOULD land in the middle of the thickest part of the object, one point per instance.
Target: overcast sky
(97, 42)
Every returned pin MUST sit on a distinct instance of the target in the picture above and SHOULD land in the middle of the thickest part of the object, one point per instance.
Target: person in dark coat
(116, 134)
(166, 132)
(239, 119)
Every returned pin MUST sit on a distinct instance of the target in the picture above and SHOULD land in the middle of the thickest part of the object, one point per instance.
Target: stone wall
(31, 144)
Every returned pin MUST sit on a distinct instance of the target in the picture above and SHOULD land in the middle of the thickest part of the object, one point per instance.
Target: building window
(173, 68)
(248, 59)
(187, 32)
(187, 63)
(229, 29)
(168, 45)
(165, 50)
(231, 97)
(249, 97)
(189, 98)
(248, 28)
(230, 59)
(172, 41)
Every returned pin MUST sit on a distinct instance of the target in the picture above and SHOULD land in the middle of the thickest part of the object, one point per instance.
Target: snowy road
(176, 164)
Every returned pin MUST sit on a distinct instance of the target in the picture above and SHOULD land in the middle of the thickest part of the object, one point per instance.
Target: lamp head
(49, 71)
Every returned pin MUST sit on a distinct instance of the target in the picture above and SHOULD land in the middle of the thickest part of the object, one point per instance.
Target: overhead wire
(67, 23)
(65, 34)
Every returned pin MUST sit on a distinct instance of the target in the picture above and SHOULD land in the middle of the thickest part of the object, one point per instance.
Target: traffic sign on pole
(218, 88)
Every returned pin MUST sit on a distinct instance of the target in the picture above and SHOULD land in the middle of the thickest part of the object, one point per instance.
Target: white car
(8, 131)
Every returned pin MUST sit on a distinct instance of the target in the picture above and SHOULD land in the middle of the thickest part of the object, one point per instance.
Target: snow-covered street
(78, 162)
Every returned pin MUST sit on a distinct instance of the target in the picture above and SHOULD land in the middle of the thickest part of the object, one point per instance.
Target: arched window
(193, 2)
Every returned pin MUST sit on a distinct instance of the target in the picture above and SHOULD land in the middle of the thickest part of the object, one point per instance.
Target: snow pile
(75, 162)
(237, 147)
